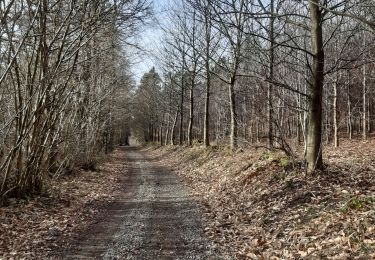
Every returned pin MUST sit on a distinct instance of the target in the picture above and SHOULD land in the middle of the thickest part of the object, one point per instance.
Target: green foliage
(267, 156)
(284, 162)
(358, 204)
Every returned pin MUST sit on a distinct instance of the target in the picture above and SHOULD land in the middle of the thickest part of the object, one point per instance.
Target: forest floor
(261, 205)
(133, 208)
(251, 204)
(35, 228)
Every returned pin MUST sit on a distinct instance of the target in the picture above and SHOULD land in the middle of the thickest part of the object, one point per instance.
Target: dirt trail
(154, 218)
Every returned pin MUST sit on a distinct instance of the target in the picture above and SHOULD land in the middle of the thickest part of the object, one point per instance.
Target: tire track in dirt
(154, 218)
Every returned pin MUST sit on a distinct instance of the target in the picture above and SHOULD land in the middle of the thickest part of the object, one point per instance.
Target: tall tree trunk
(369, 127)
(233, 115)
(181, 134)
(328, 127)
(192, 75)
(191, 115)
(161, 134)
(167, 130)
(364, 104)
(270, 87)
(206, 123)
(314, 157)
(174, 128)
(335, 116)
(350, 126)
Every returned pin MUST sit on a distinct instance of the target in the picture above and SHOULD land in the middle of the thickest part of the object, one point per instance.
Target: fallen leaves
(257, 207)
(41, 227)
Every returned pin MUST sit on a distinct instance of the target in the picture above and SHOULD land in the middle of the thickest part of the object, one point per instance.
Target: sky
(149, 40)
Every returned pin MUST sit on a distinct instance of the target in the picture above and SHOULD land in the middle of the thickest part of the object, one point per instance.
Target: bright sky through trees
(150, 38)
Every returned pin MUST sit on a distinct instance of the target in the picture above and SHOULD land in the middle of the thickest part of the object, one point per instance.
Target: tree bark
(364, 104)
(350, 126)
(206, 127)
(314, 157)
(335, 116)
(206, 123)
(167, 130)
(270, 87)
(233, 115)
(181, 134)
(173, 128)
(191, 115)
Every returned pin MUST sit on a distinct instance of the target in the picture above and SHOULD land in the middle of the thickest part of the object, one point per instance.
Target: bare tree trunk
(335, 116)
(194, 60)
(314, 157)
(181, 134)
(369, 128)
(271, 66)
(161, 134)
(206, 124)
(167, 131)
(364, 103)
(174, 128)
(350, 127)
(233, 115)
(206, 127)
(328, 127)
(191, 115)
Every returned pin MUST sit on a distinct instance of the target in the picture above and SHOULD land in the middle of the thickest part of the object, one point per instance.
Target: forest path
(153, 218)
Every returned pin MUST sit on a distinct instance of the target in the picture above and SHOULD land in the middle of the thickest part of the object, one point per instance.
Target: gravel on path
(154, 218)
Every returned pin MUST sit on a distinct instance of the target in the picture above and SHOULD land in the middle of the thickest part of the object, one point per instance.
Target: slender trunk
(167, 131)
(174, 128)
(206, 123)
(299, 114)
(328, 127)
(299, 129)
(350, 128)
(314, 136)
(270, 87)
(233, 116)
(181, 134)
(155, 134)
(149, 135)
(335, 116)
(364, 103)
(167, 134)
(369, 129)
(161, 134)
(191, 115)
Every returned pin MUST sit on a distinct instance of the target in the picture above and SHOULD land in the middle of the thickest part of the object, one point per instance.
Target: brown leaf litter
(261, 205)
(38, 228)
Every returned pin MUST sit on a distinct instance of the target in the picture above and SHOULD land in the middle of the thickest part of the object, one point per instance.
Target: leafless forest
(290, 76)
(279, 76)
(64, 85)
